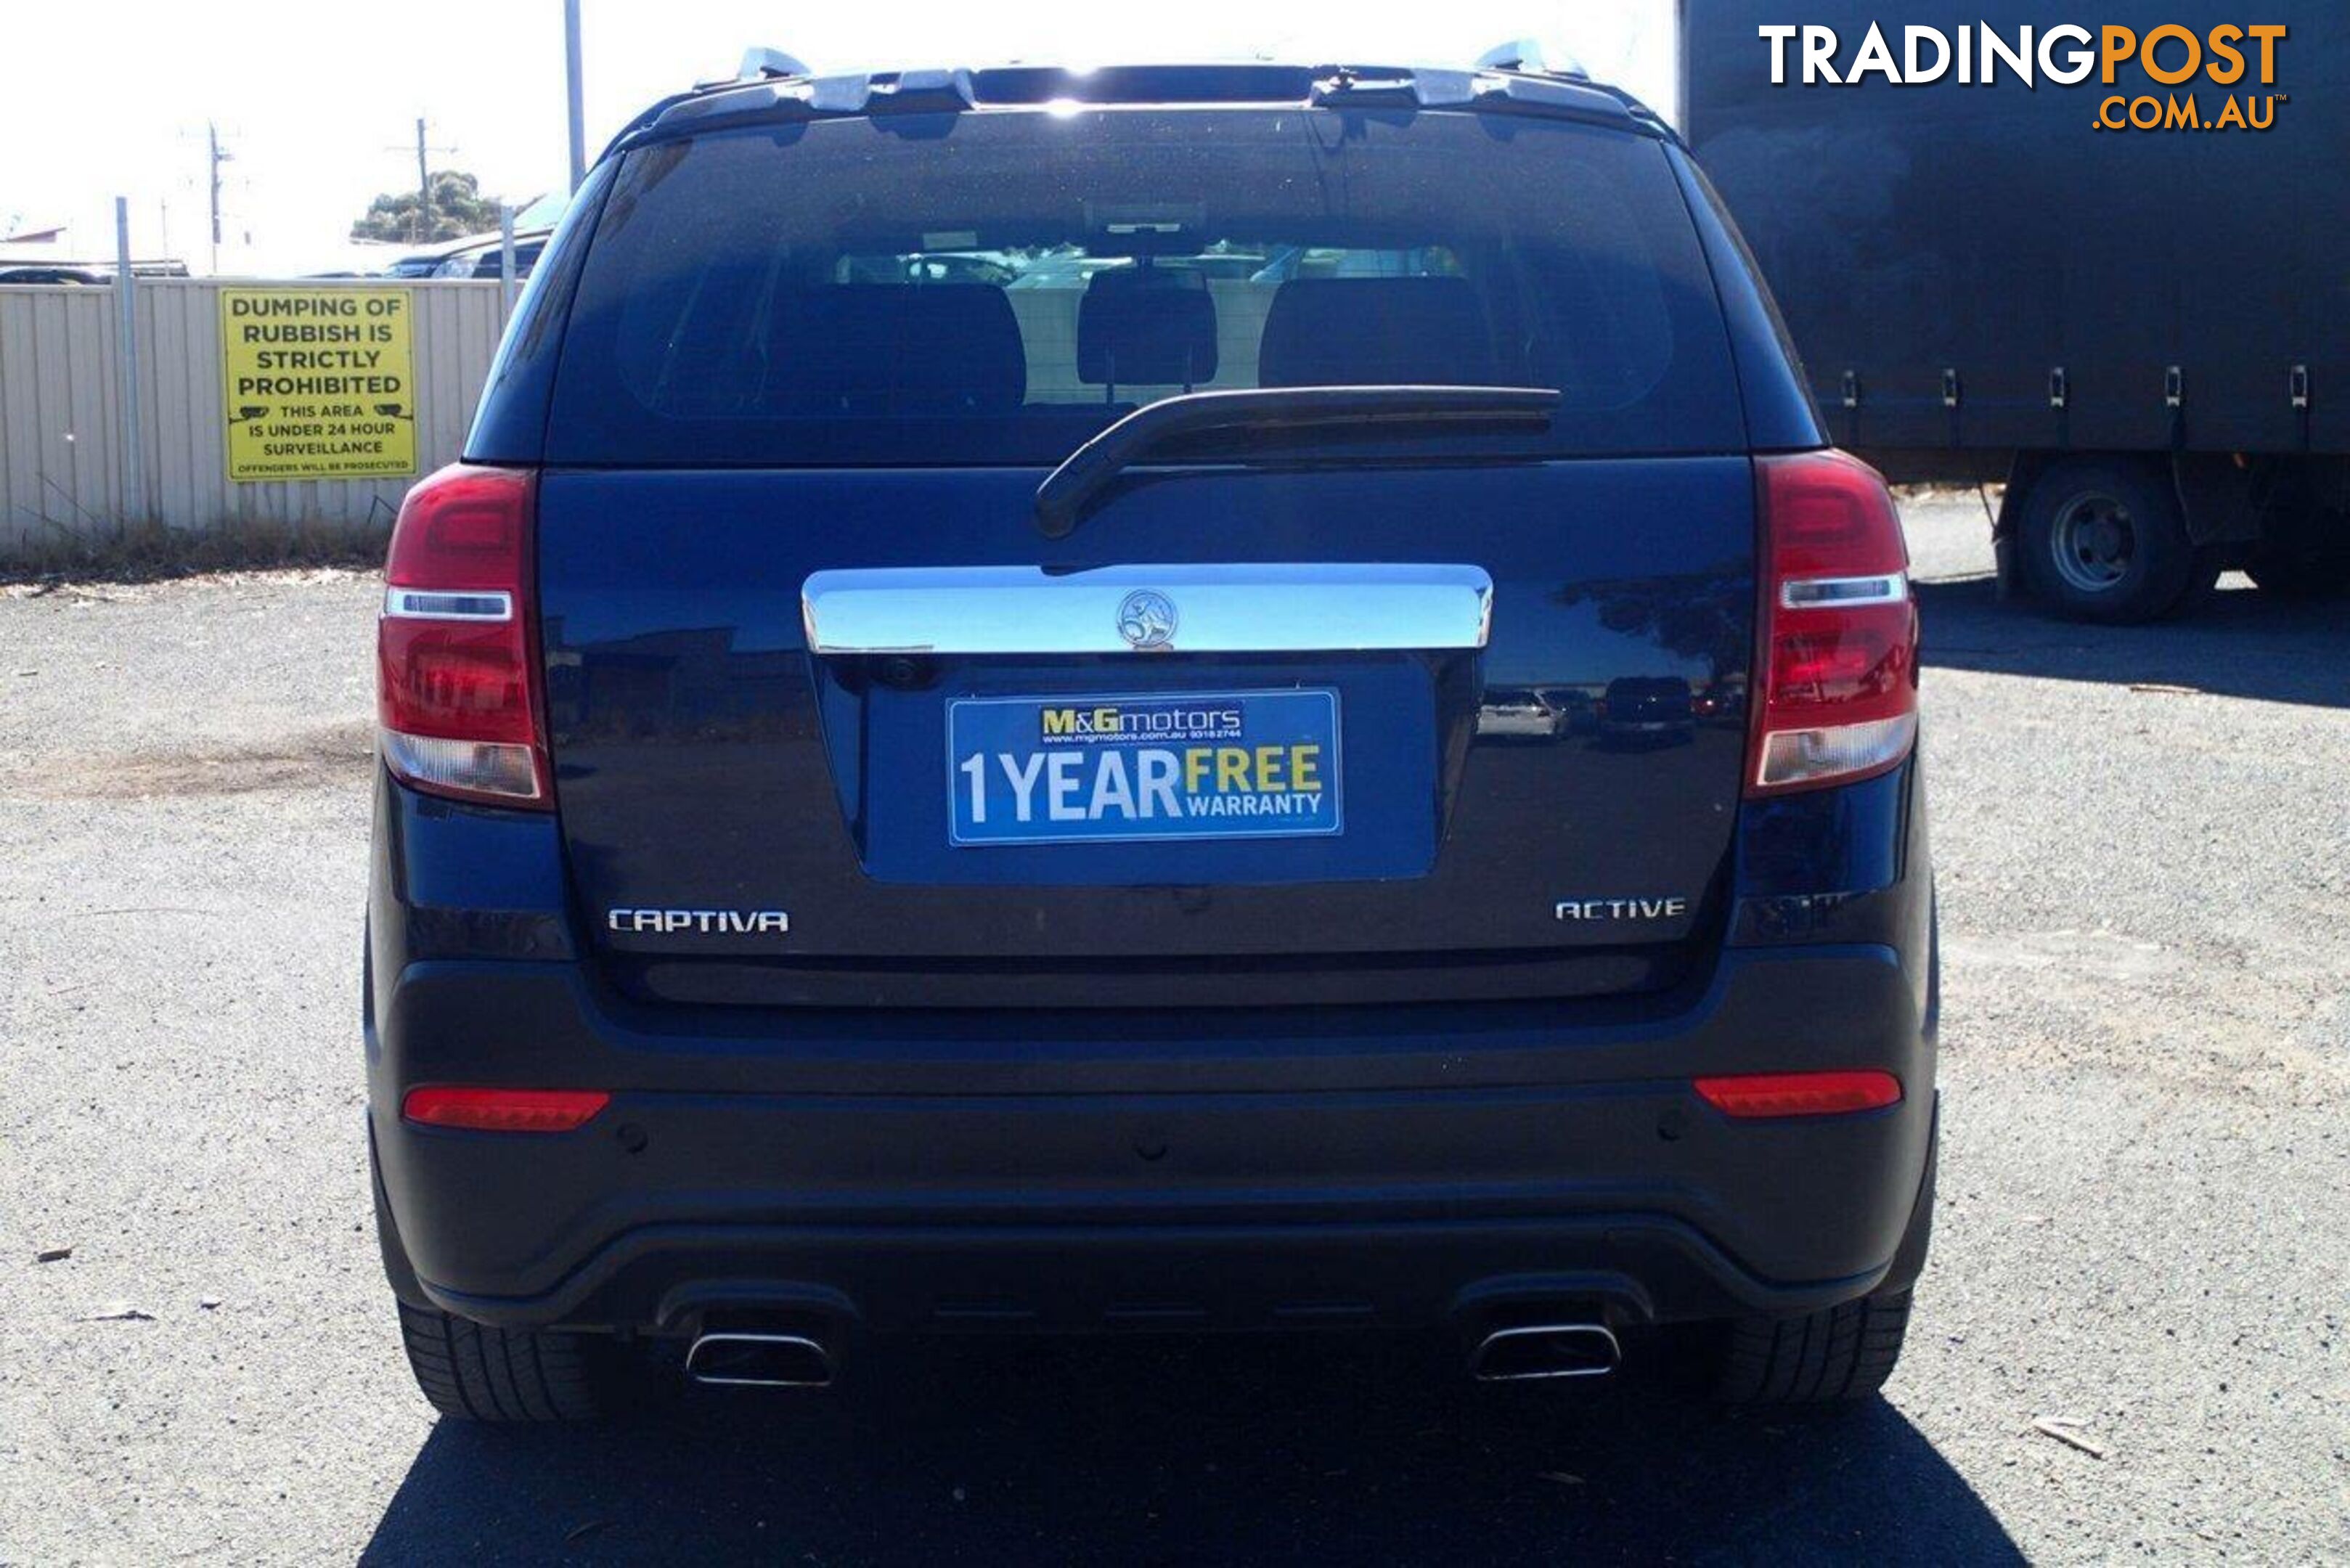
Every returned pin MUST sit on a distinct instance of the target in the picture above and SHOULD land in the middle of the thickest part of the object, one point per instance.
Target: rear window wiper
(1062, 499)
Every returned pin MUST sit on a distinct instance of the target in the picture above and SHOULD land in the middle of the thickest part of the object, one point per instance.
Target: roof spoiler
(769, 91)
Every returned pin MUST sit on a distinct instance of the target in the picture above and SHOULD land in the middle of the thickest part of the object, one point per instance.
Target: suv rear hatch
(1289, 715)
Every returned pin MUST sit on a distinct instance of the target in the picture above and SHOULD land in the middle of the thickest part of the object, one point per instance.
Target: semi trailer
(2104, 260)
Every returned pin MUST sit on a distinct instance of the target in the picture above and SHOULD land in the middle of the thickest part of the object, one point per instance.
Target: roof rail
(1526, 56)
(760, 63)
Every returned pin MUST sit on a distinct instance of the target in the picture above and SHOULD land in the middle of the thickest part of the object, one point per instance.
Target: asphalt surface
(2144, 1223)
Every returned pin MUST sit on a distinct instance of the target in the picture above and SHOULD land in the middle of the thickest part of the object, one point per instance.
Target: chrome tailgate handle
(1343, 607)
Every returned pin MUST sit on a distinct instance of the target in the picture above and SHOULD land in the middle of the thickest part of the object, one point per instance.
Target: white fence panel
(60, 450)
(62, 475)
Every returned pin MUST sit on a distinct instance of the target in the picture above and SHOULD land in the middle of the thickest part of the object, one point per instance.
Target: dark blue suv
(1015, 722)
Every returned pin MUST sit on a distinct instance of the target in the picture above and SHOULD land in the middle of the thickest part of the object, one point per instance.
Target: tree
(457, 210)
(1705, 615)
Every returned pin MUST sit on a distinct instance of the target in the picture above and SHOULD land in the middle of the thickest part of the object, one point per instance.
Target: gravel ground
(2142, 1226)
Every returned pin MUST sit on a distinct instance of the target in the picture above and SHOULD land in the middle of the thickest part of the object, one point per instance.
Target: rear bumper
(927, 1182)
(1219, 1167)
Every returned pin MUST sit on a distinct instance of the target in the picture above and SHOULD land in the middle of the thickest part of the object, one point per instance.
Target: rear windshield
(994, 288)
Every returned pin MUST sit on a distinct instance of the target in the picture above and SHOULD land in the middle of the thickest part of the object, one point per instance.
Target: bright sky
(317, 101)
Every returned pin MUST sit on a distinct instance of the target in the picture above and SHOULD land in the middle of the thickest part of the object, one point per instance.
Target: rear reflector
(1838, 668)
(1800, 1094)
(504, 1110)
(457, 688)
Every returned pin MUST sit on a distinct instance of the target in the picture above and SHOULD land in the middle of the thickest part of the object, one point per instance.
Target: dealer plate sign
(1085, 770)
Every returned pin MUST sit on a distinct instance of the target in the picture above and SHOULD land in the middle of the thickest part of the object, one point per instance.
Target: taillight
(503, 1110)
(456, 688)
(1756, 1095)
(1839, 644)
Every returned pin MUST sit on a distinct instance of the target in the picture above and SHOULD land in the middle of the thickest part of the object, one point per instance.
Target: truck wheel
(477, 1373)
(2106, 541)
(1820, 1358)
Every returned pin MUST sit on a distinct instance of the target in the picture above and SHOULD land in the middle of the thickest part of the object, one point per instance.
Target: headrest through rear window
(895, 348)
(1145, 328)
(1376, 332)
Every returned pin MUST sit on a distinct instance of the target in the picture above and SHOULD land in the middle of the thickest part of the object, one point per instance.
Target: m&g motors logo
(2068, 55)
(1108, 724)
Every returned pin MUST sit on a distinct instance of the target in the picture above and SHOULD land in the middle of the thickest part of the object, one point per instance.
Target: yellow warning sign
(320, 383)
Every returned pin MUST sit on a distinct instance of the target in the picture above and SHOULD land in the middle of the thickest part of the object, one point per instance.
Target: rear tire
(2105, 540)
(474, 1372)
(1820, 1358)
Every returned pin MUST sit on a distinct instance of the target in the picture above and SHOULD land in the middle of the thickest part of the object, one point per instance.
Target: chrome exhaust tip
(1545, 1350)
(745, 1360)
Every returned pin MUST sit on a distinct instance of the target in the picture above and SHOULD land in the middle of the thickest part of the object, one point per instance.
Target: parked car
(475, 255)
(861, 851)
(53, 274)
(486, 257)
(1648, 708)
(1524, 713)
(424, 262)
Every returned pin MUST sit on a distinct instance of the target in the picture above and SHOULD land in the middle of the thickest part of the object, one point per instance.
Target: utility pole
(211, 141)
(423, 185)
(571, 92)
(423, 224)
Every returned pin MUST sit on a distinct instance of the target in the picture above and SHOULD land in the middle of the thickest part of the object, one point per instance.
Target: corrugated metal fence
(63, 477)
